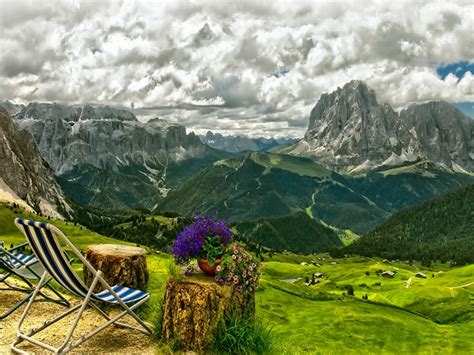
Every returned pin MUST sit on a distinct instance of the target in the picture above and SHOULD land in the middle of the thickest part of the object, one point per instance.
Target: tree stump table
(194, 306)
(120, 265)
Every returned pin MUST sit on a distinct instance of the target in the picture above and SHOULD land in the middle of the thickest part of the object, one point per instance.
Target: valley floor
(432, 315)
(319, 319)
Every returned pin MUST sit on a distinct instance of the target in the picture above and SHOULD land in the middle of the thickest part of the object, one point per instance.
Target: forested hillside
(441, 229)
(297, 232)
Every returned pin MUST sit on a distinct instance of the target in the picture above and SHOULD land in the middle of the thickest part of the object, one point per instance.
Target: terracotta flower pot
(208, 270)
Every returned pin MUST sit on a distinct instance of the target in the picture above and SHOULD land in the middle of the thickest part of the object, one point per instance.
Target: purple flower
(189, 242)
(239, 288)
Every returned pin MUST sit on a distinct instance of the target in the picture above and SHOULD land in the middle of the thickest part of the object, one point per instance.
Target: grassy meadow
(405, 314)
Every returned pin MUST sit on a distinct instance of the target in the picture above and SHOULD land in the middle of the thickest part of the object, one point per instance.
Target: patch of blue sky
(457, 68)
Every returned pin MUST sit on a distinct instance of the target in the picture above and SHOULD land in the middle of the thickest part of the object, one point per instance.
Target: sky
(250, 68)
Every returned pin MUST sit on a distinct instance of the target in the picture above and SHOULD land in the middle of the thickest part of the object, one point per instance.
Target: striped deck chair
(44, 241)
(27, 269)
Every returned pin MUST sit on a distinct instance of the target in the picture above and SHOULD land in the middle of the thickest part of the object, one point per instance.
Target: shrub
(237, 335)
(350, 290)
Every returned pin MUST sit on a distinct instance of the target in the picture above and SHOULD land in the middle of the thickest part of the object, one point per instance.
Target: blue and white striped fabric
(127, 295)
(50, 254)
(18, 261)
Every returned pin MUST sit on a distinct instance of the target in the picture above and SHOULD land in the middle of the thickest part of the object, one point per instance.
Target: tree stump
(120, 265)
(194, 307)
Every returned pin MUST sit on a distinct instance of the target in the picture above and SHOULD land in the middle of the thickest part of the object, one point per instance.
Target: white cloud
(186, 56)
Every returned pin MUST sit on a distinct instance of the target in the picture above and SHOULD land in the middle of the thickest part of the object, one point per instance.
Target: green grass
(81, 236)
(428, 317)
(158, 218)
(297, 165)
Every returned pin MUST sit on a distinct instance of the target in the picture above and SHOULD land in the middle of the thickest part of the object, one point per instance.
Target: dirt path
(111, 340)
(451, 289)
(408, 284)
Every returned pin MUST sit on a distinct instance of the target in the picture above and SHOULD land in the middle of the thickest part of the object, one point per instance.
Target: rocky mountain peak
(104, 137)
(74, 113)
(350, 131)
(353, 97)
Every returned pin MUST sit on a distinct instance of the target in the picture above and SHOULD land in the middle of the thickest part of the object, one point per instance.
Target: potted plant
(205, 240)
(240, 268)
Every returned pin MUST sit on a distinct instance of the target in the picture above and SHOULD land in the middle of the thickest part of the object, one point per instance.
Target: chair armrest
(18, 246)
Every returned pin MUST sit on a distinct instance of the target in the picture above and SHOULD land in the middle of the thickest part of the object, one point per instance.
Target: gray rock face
(24, 176)
(104, 137)
(350, 131)
(236, 144)
(11, 107)
(445, 133)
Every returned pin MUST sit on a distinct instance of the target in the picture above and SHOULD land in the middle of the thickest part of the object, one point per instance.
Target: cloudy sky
(235, 67)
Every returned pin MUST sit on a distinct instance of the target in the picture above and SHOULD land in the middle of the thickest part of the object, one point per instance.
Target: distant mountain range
(237, 144)
(350, 131)
(105, 158)
(25, 179)
(438, 230)
(359, 162)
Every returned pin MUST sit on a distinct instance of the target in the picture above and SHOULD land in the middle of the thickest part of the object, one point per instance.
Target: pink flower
(236, 278)
(218, 268)
(253, 265)
(235, 245)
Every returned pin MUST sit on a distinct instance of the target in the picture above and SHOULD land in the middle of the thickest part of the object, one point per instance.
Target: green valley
(262, 185)
(402, 314)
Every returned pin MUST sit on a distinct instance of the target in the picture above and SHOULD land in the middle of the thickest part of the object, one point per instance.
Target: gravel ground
(111, 340)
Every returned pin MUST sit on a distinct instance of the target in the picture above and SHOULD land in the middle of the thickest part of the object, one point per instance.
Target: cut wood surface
(120, 265)
(194, 307)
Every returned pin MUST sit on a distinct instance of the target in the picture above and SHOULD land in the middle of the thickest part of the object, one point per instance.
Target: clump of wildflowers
(240, 268)
(206, 238)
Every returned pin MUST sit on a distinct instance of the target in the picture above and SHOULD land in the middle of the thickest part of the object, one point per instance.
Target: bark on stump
(194, 307)
(120, 265)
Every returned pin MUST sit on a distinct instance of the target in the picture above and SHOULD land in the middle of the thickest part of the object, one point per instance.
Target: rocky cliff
(350, 131)
(104, 137)
(24, 177)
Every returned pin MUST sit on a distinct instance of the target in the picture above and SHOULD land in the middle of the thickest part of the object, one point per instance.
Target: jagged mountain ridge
(105, 137)
(25, 178)
(236, 144)
(350, 131)
(103, 155)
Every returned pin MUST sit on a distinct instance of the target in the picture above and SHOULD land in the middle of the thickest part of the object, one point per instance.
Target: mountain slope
(297, 232)
(350, 131)
(24, 177)
(440, 229)
(262, 185)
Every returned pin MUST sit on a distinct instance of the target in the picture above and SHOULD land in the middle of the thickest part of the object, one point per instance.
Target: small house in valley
(388, 274)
